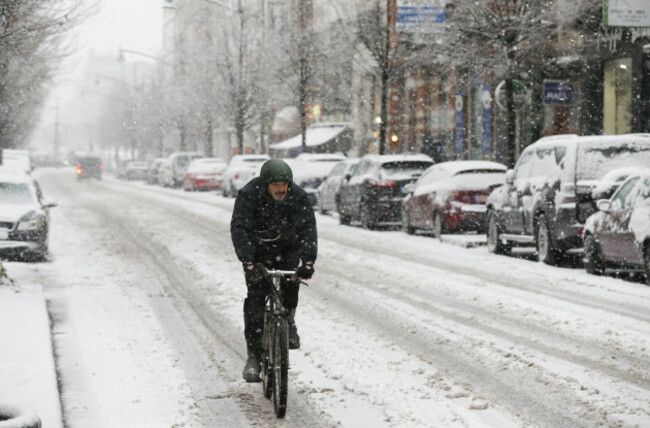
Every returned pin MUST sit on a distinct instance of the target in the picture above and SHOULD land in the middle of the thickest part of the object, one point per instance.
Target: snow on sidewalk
(27, 371)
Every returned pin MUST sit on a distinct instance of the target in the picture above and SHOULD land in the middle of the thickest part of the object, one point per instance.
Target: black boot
(253, 367)
(294, 339)
(253, 324)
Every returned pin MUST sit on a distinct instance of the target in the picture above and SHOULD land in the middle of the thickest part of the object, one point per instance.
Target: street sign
(626, 13)
(419, 16)
(557, 92)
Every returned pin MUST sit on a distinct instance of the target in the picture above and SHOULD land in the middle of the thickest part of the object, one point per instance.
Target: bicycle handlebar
(281, 272)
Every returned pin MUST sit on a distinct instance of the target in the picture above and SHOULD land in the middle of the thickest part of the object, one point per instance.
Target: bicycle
(275, 344)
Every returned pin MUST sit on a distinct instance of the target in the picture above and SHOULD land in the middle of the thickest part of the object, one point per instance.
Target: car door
(416, 204)
(615, 236)
(346, 196)
(517, 192)
(330, 186)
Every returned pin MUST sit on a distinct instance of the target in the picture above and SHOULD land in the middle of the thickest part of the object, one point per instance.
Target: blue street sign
(557, 92)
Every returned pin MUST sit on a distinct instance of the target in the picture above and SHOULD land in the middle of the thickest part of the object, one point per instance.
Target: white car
(24, 217)
(329, 188)
(240, 170)
(176, 166)
(311, 169)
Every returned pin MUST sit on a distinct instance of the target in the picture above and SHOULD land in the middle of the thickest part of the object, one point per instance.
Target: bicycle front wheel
(280, 360)
(267, 357)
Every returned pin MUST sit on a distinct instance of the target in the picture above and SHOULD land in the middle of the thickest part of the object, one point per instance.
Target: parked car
(24, 216)
(19, 158)
(240, 170)
(373, 191)
(89, 167)
(548, 195)
(311, 169)
(618, 235)
(153, 173)
(611, 181)
(451, 196)
(165, 174)
(178, 163)
(137, 170)
(329, 189)
(204, 174)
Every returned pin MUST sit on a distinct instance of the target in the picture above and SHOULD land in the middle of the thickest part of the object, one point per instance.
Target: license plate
(4, 234)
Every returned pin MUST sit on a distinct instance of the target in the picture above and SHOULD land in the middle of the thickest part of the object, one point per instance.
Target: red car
(204, 174)
(450, 197)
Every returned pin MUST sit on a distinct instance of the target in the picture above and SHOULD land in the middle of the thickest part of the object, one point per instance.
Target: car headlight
(31, 221)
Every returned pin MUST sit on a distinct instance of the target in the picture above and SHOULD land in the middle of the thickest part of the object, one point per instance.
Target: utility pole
(303, 64)
(56, 130)
(385, 64)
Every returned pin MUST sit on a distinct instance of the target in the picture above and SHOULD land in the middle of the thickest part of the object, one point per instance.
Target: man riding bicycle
(273, 227)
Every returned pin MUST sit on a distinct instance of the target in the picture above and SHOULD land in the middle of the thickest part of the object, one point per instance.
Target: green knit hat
(275, 170)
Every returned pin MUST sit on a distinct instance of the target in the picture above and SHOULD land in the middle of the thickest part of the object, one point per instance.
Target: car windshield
(596, 160)
(16, 193)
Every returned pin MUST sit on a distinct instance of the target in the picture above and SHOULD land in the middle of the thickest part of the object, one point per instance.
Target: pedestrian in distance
(272, 227)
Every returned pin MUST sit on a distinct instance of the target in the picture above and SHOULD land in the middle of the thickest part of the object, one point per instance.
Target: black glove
(255, 272)
(306, 270)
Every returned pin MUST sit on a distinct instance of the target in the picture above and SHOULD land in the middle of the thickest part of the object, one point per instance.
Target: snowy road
(396, 330)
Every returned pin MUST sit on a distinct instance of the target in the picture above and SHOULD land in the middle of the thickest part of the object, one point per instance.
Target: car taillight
(465, 197)
(101, 166)
(381, 183)
(236, 176)
(79, 169)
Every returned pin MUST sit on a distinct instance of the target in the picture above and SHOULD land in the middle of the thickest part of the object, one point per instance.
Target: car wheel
(547, 251)
(406, 223)
(494, 244)
(438, 225)
(593, 259)
(646, 261)
(364, 216)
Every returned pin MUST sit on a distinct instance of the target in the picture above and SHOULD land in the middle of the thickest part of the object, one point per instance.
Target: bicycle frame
(275, 345)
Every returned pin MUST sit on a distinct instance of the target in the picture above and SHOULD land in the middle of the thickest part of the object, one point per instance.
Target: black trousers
(256, 298)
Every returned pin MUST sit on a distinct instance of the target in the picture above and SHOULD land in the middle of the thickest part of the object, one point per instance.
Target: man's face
(278, 190)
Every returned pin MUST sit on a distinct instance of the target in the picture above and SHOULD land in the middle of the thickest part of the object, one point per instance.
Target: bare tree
(30, 50)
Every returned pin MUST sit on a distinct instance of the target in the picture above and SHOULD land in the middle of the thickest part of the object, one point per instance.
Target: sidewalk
(27, 371)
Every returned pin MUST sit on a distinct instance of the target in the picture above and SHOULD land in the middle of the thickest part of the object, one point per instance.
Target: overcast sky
(113, 25)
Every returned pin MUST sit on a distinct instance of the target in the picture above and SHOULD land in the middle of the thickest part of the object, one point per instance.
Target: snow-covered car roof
(552, 141)
(398, 157)
(454, 167)
(317, 157)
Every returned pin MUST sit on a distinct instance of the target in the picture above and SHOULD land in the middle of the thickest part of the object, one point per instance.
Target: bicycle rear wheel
(280, 360)
(267, 358)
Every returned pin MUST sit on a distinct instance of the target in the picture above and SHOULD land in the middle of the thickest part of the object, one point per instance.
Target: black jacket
(262, 229)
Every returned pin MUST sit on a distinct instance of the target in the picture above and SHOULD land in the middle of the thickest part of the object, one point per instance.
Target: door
(616, 238)
(518, 193)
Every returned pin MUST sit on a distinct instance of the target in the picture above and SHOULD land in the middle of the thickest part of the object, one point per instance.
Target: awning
(318, 137)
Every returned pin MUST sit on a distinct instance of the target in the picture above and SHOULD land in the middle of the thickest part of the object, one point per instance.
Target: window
(621, 200)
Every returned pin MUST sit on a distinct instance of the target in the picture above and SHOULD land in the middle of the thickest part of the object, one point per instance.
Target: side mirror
(347, 176)
(510, 175)
(604, 205)
(49, 204)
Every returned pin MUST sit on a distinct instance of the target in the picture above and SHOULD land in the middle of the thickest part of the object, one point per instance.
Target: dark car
(89, 167)
(24, 217)
(548, 196)
(153, 173)
(618, 235)
(450, 197)
(374, 190)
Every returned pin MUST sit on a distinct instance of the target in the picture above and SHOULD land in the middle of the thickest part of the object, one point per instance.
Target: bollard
(12, 417)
